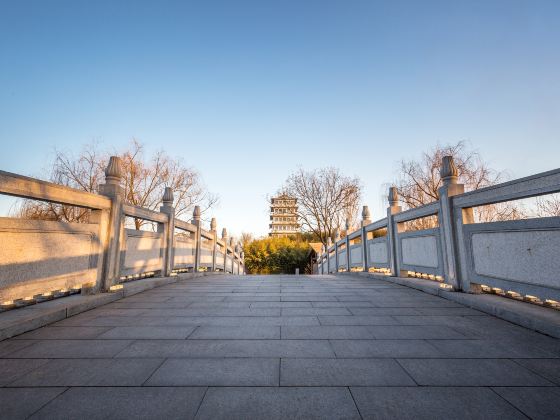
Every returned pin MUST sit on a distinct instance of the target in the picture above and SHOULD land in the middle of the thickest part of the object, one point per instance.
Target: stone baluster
(168, 231)
(321, 259)
(447, 226)
(392, 230)
(230, 245)
(197, 244)
(236, 255)
(347, 238)
(329, 244)
(336, 239)
(366, 220)
(225, 241)
(213, 229)
(114, 240)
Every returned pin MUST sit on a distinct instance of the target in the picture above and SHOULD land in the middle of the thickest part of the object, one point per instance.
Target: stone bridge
(458, 320)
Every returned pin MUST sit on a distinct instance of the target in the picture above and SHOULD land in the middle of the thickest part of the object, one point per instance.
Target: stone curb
(19, 321)
(543, 320)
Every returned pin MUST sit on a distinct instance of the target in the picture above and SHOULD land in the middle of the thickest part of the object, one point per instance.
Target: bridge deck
(280, 347)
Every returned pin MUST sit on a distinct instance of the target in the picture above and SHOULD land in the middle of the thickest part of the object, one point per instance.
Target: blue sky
(247, 91)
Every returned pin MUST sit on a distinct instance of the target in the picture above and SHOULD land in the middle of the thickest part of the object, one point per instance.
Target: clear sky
(247, 91)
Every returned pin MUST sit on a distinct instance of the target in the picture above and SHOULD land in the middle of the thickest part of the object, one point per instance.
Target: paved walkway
(280, 347)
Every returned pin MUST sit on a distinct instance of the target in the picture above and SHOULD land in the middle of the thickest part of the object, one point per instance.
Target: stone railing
(41, 259)
(518, 258)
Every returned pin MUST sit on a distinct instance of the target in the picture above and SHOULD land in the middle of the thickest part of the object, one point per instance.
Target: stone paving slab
(116, 403)
(353, 304)
(375, 311)
(266, 347)
(237, 321)
(432, 403)
(357, 320)
(11, 346)
(278, 404)
(490, 349)
(547, 368)
(68, 349)
(260, 312)
(343, 372)
(327, 332)
(220, 305)
(246, 332)
(147, 333)
(471, 372)
(417, 332)
(90, 372)
(217, 372)
(228, 348)
(20, 403)
(12, 369)
(314, 311)
(536, 403)
(279, 304)
(384, 348)
(61, 333)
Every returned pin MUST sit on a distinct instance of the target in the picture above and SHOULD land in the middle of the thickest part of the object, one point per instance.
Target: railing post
(329, 244)
(321, 259)
(392, 229)
(232, 253)
(239, 259)
(225, 241)
(366, 220)
(242, 257)
(348, 260)
(115, 226)
(168, 230)
(336, 239)
(236, 256)
(450, 187)
(197, 239)
(214, 242)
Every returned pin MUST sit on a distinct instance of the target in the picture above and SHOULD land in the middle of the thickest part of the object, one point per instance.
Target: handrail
(25, 187)
(417, 212)
(530, 186)
(143, 213)
(181, 224)
(512, 256)
(102, 252)
(379, 224)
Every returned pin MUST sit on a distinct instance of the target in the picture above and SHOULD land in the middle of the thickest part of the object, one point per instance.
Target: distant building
(283, 216)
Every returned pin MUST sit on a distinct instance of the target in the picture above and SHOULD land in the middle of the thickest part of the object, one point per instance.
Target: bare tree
(144, 182)
(83, 172)
(246, 239)
(419, 181)
(325, 199)
(548, 205)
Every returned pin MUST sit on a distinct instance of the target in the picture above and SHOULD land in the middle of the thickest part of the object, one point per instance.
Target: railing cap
(393, 196)
(366, 215)
(168, 196)
(196, 213)
(448, 171)
(114, 171)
